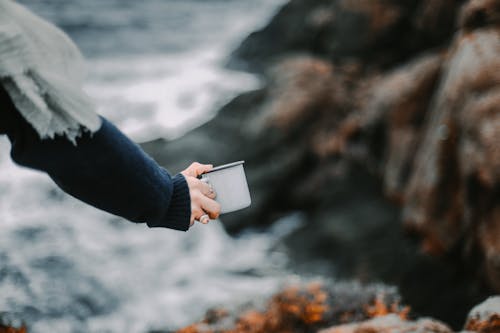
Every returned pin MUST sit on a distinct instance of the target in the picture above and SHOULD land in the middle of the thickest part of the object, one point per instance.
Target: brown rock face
(485, 318)
(439, 117)
(383, 32)
(439, 120)
(453, 190)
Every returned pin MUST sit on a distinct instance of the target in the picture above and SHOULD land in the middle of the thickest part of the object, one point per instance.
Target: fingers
(203, 213)
(196, 169)
(202, 205)
(211, 207)
(201, 168)
(204, 188)
(207, 190)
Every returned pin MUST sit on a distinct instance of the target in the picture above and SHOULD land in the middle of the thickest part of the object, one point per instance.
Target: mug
(230, 185)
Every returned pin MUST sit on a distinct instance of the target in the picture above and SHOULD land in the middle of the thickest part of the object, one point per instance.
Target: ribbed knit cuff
(179, 211)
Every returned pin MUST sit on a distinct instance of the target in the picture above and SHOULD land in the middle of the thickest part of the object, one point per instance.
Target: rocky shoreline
(339, 308)
(379, 123)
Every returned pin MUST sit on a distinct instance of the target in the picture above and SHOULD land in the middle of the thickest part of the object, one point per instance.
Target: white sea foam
(151, 94)
(164, 96)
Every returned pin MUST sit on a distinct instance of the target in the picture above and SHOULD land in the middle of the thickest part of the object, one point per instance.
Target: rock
(5, 329)
(391, 324)
(338, 307)
(453, 191)
(480, 13)
(382, 33)
(305, 308)
(9, 329)
(485, 317)
(395, 104)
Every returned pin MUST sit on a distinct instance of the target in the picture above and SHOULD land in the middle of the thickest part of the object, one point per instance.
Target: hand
(197, 169)
(201, 194)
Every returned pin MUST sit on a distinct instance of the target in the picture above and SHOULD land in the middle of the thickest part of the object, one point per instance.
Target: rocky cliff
(380, 123)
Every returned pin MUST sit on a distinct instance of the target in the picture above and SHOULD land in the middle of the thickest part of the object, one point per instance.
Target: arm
(104, 169)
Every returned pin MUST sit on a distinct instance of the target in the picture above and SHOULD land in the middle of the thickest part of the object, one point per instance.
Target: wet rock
(382, 33)
(485, 317)
(391, 324)
(8, 329)
(305, 308)
(338, 308)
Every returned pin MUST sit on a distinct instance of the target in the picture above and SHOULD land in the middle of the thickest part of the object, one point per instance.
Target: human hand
(203, 207)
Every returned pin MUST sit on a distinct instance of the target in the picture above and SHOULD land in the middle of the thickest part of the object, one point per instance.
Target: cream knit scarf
(42, 71)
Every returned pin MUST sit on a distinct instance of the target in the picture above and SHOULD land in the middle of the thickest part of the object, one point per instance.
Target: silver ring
(204, 219)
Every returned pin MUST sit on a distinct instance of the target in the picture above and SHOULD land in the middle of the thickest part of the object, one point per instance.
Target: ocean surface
(156, 70)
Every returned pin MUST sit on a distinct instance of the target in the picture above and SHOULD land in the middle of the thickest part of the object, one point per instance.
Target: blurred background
(370, 131)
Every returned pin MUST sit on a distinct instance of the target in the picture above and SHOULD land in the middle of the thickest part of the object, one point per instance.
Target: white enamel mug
(230, 184)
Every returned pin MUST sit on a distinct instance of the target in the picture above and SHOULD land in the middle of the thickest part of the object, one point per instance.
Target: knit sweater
(104, 169)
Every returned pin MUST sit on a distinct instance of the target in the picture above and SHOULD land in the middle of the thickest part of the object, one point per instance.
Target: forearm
(105, 170)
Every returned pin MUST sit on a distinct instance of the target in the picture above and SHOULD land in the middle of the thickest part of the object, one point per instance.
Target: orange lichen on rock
(292, 308)
(287, 311)
(391, 324)
(313, 308)
(305, 308)
(195, 328)
(9, 329)
(380, 308)
(485, 317)
(491, 326)
(309, 306)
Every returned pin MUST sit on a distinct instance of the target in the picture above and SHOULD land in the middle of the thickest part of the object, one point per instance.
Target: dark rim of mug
(225, 166)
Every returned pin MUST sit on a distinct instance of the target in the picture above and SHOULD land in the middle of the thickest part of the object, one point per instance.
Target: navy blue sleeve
(104, 169)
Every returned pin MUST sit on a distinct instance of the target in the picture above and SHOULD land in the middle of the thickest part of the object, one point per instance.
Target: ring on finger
(204, 219)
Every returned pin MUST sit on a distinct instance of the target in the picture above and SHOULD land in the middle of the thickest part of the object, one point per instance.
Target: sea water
(156, 70)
